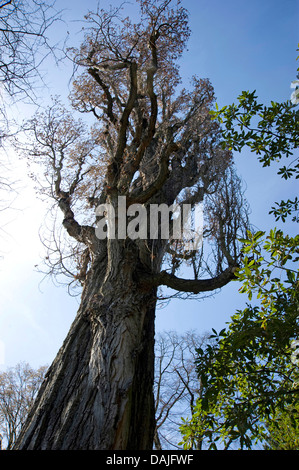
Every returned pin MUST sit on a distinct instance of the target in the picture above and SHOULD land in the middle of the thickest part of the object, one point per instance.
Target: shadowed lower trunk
(98, 393)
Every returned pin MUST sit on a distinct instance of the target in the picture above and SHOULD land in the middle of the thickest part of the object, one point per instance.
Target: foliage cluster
(272, 132)
(249, 375)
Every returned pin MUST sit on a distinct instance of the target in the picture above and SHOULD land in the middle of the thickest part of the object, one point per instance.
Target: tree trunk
(98, 393)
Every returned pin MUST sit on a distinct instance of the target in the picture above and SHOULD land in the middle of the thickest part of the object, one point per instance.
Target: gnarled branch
(194, 286)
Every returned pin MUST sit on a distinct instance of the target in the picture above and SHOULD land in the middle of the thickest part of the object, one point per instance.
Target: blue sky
(239, 45)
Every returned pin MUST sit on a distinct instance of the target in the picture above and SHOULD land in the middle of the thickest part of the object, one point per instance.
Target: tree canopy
(151, 140)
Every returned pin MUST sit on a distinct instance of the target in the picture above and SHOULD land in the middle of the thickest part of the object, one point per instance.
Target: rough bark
(98, 393)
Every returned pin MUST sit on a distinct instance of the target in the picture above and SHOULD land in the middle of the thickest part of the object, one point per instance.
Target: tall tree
(250, 375)
(152, 143)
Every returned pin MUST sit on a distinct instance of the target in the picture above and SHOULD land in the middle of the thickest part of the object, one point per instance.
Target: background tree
(152, 142)
(250, 376)
(18, 388)
(271, 132)
(176, 384)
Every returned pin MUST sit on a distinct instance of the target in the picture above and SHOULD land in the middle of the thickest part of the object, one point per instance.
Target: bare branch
(122, 136)
(190, 285)
(105, 88)
(24, 44)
